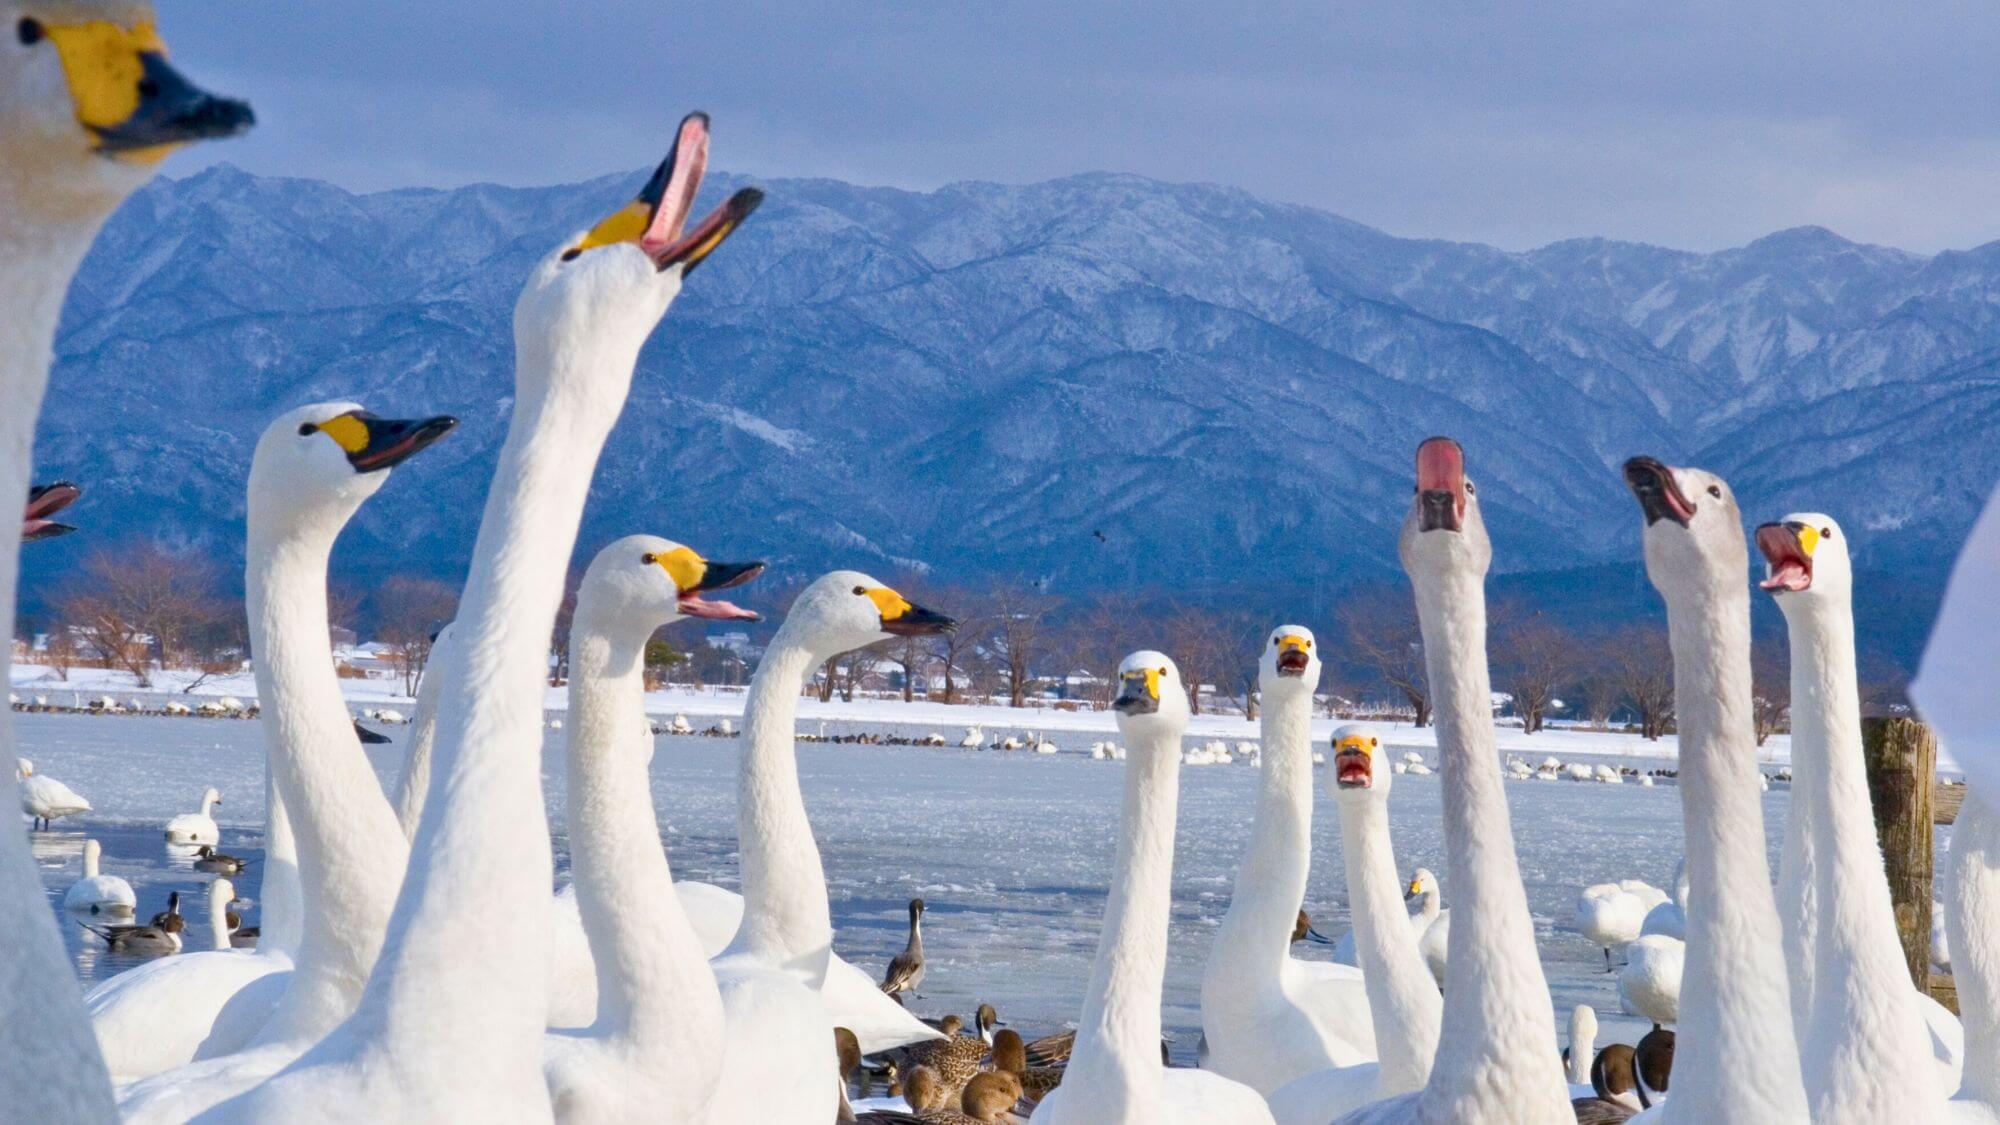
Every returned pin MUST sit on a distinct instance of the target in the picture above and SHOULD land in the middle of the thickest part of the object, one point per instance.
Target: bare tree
(1770, 688)
(1019, 622)
(1532, 657)
(1642, 663)
(409, 611)
(1209, 648)
(136, 599)
(1382, 633)
(954, 653)
(61, 651)
(1093, 638)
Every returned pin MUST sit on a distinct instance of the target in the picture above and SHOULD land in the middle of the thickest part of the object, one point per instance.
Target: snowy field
(1012, 851)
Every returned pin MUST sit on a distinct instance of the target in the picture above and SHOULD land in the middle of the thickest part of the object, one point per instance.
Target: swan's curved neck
(1403, 1000)
(281, 896)
(786, 922)
(1254, 939)
(43, 1029)
(218, 920)
(415, 783)
(1866, 1053)
(1115, 1067)
(654, 987)
(208, 803)
(1496, 998)
(1972, 921)
(351, 852)
(1737, 1058)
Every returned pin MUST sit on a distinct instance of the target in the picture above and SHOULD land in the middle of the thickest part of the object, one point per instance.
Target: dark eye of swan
(1715, 490)
(861, 591)
(1469, 490)
(1826, 533)
(306, 428)
(649, 558)
(29, 31)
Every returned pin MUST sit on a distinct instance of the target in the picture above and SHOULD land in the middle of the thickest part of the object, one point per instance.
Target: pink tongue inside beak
(693, 605)
(1440, 466)
(677, 201)
(1789, 570)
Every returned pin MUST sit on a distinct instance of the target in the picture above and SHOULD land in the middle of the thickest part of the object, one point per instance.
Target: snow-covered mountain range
(1092, 381)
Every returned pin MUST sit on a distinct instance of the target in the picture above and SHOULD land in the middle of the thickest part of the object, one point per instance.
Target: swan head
(1290, 661)
(1444, 531)
(847, 609)
(642, 582)
(45, 500)
(320, 462)
(1151, 698)
(23, 768)
(89, 105)
(1357, 754)
(1694, 533)
(1806, 562)
(1423, 884)
(607, 287)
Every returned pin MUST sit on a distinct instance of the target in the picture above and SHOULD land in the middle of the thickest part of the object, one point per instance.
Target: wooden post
(1902, 768)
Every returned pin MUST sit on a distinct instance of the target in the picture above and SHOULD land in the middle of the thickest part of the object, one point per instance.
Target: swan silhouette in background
(193, 829)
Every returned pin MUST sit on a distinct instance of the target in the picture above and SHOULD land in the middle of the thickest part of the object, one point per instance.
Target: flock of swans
(630, 996)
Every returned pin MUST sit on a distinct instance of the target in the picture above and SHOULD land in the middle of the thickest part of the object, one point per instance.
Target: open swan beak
(656, 220)
(134, 103)
(1440, 485)
(45, 500)
(1788, 551)
(720, 576)
(1659, 493)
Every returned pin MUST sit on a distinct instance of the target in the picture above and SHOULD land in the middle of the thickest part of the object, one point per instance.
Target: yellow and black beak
(1354, 763)
(902, 619)
(136, 105)
(656, 219)
(45, 500)
(373, 444)
(694, 576)
(1138, 692)
(1294, 655)
(1788, 555)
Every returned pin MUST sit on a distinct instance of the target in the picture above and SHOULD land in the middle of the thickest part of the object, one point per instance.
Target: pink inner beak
(1441, 466)
(1790, 569)
(677, 200)
(694, 605)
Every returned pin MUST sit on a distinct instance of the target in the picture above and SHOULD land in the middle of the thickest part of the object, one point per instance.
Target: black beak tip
(745, 201)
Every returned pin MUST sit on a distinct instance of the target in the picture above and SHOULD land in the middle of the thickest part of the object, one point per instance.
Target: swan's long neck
(218, 918)
(786, 922)
(1115, 1068)
(1866, 1055)
(1798, 892)
(43, 1030)
(415, 783)
(1972, 926)
(351, 852)
(1403, 1000)
(1502, 1029)
(1737, 1059)
(655, 990)
(1254, 940)
(281, 895)
(461, 1021)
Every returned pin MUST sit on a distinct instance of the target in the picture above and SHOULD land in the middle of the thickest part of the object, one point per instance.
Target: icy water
(1012, 851)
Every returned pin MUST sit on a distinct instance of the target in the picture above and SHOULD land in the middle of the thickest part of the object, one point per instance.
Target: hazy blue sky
(1695, 125)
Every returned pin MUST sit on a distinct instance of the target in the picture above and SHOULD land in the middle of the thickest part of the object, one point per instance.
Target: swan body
(1650, 983)
(46, 799)
(1739, 1058)
(1609, 915)
(196, 828)
(97, 893)
(1403, 998)
(1669, 918)
(1265, 1020)
(1114, 1076)
(1429, 922)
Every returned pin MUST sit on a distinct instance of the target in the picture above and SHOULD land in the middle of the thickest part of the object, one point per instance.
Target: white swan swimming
(1268, 1018)
(1403, 997)
(44, 798)
(1868, 1051)
(335, 853)
(778, 1066)
(655, 1048)
(439, 1034)
(89, 106)
(192, 829)
(1496, 1059)
(1114, 1073)
(98, 894)
(1738, 1060)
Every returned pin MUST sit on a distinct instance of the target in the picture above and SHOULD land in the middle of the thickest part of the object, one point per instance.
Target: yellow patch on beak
(103, 65)
(1292, 641)
(347, 431)
(683, 566)
(1808, 539)
(1416, 886)
(623, 225)
(1153, 682)
(891, 603)
(1355, 742)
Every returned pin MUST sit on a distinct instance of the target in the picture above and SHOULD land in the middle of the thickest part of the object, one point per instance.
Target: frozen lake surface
(1012, 851)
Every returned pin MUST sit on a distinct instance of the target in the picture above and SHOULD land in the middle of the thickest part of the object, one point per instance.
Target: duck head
(847, 609)
(314, 466)
(1359, 764)
(1694, 534)
(45, 500)
(89, 105)
(1290, 662)
(595, 299)
(1151, 697)
(1444, 532)
(1806, 563)
(642, 582)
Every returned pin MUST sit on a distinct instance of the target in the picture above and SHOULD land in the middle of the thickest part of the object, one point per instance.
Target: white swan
(439, 1034)
(44, 798)
(1868, 1052)
(1669, 918)
(778, 1066)
(975, 737)
(1429, 922)
(334, 852)
(97, 893)
(415, 782)
(1114, 1073)
(89, 105)
(1268, 1018)
(1581, 1050)
(1403, 998)
(1611, 914)
(192, 829)
(1650, 983)
(1496, 1058)
(1738, 1060)
(655, 1048)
